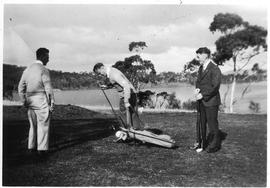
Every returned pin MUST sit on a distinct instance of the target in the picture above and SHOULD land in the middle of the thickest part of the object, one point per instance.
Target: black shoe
(32, 151)
(223, 135)
(31, 154)
(212, 150)
(209, 139)
(43, 155)
(43, 152)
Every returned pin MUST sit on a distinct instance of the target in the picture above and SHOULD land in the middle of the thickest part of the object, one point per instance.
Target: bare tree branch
(245, 90)
(248, 60)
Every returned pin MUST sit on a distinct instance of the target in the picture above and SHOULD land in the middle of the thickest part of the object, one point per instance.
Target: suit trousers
(209, 116)
(132, 119)
(39, 120)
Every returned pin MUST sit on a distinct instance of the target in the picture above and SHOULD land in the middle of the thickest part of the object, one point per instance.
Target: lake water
(257, 92)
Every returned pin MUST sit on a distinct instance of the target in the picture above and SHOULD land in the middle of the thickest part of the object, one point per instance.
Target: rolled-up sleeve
(47, 85)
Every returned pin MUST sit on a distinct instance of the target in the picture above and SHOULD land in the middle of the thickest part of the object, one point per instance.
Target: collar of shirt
(206, 64)
(39, 62)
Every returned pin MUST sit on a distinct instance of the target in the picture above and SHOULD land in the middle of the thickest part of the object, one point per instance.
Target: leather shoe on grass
(212, 150)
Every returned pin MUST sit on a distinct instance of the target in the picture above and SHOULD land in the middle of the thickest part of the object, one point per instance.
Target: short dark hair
(41, 52)
(203, 50)
(97, 66)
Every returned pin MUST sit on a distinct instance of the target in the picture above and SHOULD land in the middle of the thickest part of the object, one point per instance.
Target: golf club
(120, 120)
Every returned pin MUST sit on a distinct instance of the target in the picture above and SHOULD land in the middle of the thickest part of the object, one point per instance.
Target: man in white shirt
(128, 98)
(36, 93)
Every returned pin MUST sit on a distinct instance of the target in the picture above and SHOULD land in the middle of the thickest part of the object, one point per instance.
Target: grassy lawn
(84, 154)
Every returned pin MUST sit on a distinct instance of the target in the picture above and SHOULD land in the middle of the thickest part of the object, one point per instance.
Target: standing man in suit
(128, 96)
(208, 98)
(36, 93)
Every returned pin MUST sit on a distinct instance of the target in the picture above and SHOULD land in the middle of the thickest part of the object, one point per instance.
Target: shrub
(190, 105)
(174, 103)
(254, 107)
(164, 100)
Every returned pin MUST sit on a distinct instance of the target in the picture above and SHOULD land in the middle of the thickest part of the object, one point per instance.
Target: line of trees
(60, 80)
(75, 81)
(11, 78)
(245, 76)
(66, 80)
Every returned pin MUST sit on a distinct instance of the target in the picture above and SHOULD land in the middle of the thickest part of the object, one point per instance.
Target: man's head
(42, 54)
(99, 68)
(203, 54)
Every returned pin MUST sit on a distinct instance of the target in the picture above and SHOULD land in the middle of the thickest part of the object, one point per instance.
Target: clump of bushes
(190, 105)
(174, 103)
(163, 100)
(254, 107)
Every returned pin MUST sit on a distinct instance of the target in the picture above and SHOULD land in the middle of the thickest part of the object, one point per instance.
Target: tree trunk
(233, 85)
(232, 94)
(225, 97)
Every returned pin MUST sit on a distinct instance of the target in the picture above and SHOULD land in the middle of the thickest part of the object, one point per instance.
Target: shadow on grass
(155, 131)
(149, 145)
(70, 133)
(63, 134)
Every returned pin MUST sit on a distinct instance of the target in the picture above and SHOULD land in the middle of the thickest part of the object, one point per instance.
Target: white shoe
(195, 146)
(199, 150)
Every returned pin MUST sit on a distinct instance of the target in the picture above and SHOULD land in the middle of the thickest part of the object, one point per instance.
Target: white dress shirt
(206, 64)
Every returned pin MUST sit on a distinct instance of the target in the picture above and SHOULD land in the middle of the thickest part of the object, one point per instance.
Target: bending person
(128, 96)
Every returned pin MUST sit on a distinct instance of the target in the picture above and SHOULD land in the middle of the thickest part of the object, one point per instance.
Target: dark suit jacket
(208, 82)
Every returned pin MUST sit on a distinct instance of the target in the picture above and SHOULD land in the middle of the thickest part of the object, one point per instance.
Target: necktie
(201, 68)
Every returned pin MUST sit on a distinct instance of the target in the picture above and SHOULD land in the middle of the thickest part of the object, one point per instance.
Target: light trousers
(39, 120)
(131, 117)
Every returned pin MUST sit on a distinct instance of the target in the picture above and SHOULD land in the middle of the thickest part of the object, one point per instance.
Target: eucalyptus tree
(239, 42)
(138, 70)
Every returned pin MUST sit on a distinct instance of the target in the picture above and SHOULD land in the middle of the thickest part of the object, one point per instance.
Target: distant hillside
(11, 78)
(60, 80)
(70, 81)
(245, 76)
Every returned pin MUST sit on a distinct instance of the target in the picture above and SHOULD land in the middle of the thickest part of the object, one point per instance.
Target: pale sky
(78, 36)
